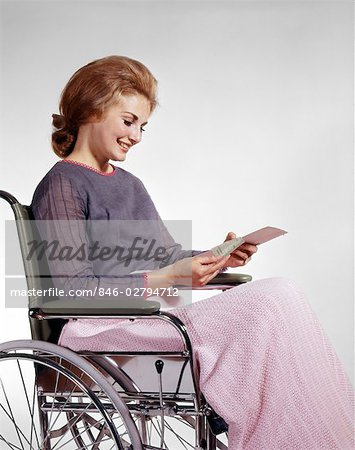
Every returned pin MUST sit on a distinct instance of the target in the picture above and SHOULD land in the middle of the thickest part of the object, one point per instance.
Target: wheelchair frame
(97, 401)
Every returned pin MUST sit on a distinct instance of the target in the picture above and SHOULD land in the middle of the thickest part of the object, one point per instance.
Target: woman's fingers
(208, 261)
(218, 266)
(241, 258)
(248, 248)
(230, 236)
(206, 258)
(240, 254)
(208, 270)
(210, 277)
(245, 251)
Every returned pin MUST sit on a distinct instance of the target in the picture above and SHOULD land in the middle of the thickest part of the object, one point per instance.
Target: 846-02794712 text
(100, 292)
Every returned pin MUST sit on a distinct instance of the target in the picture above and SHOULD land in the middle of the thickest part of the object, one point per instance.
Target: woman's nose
(135, 135)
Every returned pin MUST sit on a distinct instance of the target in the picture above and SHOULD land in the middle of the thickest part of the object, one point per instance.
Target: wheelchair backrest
(36, 271)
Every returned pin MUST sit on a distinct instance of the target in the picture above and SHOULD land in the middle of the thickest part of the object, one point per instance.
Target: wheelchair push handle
(8, 197)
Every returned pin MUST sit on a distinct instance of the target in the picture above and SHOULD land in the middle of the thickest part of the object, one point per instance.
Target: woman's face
(120, 128)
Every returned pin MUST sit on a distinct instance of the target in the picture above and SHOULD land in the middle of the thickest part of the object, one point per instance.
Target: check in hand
(241, 255)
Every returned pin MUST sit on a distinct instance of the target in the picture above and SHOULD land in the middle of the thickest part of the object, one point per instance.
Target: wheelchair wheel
(52, 399)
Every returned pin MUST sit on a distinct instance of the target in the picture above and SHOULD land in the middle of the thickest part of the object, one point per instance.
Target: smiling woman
(260, 350)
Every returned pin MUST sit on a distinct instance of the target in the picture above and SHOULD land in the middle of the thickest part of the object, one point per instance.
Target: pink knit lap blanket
(266, 366)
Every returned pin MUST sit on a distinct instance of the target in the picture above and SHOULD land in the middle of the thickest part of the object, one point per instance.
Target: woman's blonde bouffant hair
(92, 89)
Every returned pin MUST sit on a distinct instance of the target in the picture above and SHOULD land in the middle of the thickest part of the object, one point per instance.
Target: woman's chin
(121, 156)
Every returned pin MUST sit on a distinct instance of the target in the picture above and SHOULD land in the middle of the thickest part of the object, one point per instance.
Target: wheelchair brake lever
(159, 366)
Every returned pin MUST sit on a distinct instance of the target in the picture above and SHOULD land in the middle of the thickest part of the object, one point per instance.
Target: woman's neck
(87, 158)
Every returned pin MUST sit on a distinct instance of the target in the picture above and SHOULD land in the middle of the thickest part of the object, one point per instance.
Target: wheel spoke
(33, 428)
(11, 414)
(181, 440)
(99, 438)
(92, 445)
(71, 426)
(50, 425)
(33, 410)
(102, 431)
(12, 419)
(55, 391)
(59, 412)
(188, 421)
(157, 429)
(88, 431)
(10, 444)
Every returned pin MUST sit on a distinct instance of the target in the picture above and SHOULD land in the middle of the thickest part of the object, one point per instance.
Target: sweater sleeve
(173, 250)
(60, 212)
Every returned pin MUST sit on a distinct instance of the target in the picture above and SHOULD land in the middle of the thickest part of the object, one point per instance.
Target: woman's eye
(129, 123)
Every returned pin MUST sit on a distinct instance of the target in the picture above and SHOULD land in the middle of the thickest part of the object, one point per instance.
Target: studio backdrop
(254, 126)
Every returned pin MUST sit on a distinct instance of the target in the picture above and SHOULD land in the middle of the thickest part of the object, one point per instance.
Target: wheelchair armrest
(230, 279)
(90, 307)
(120, 306)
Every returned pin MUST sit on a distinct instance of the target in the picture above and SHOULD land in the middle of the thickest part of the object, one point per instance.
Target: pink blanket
(265, 364)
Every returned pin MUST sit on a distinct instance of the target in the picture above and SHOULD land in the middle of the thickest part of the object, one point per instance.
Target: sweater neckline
(86, 166)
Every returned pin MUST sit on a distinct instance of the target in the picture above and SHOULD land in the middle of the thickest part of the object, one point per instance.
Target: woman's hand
(198, 270)
(241, 255)
(195, 271)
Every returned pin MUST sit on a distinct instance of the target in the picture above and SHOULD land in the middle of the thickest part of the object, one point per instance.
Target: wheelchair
(53, 398)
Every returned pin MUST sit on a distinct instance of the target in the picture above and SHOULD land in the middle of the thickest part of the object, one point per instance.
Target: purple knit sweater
(80, 207)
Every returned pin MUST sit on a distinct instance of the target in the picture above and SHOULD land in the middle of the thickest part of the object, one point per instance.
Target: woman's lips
(123, 146)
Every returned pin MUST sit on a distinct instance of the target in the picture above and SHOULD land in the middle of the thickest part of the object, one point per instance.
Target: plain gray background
(254, 128)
